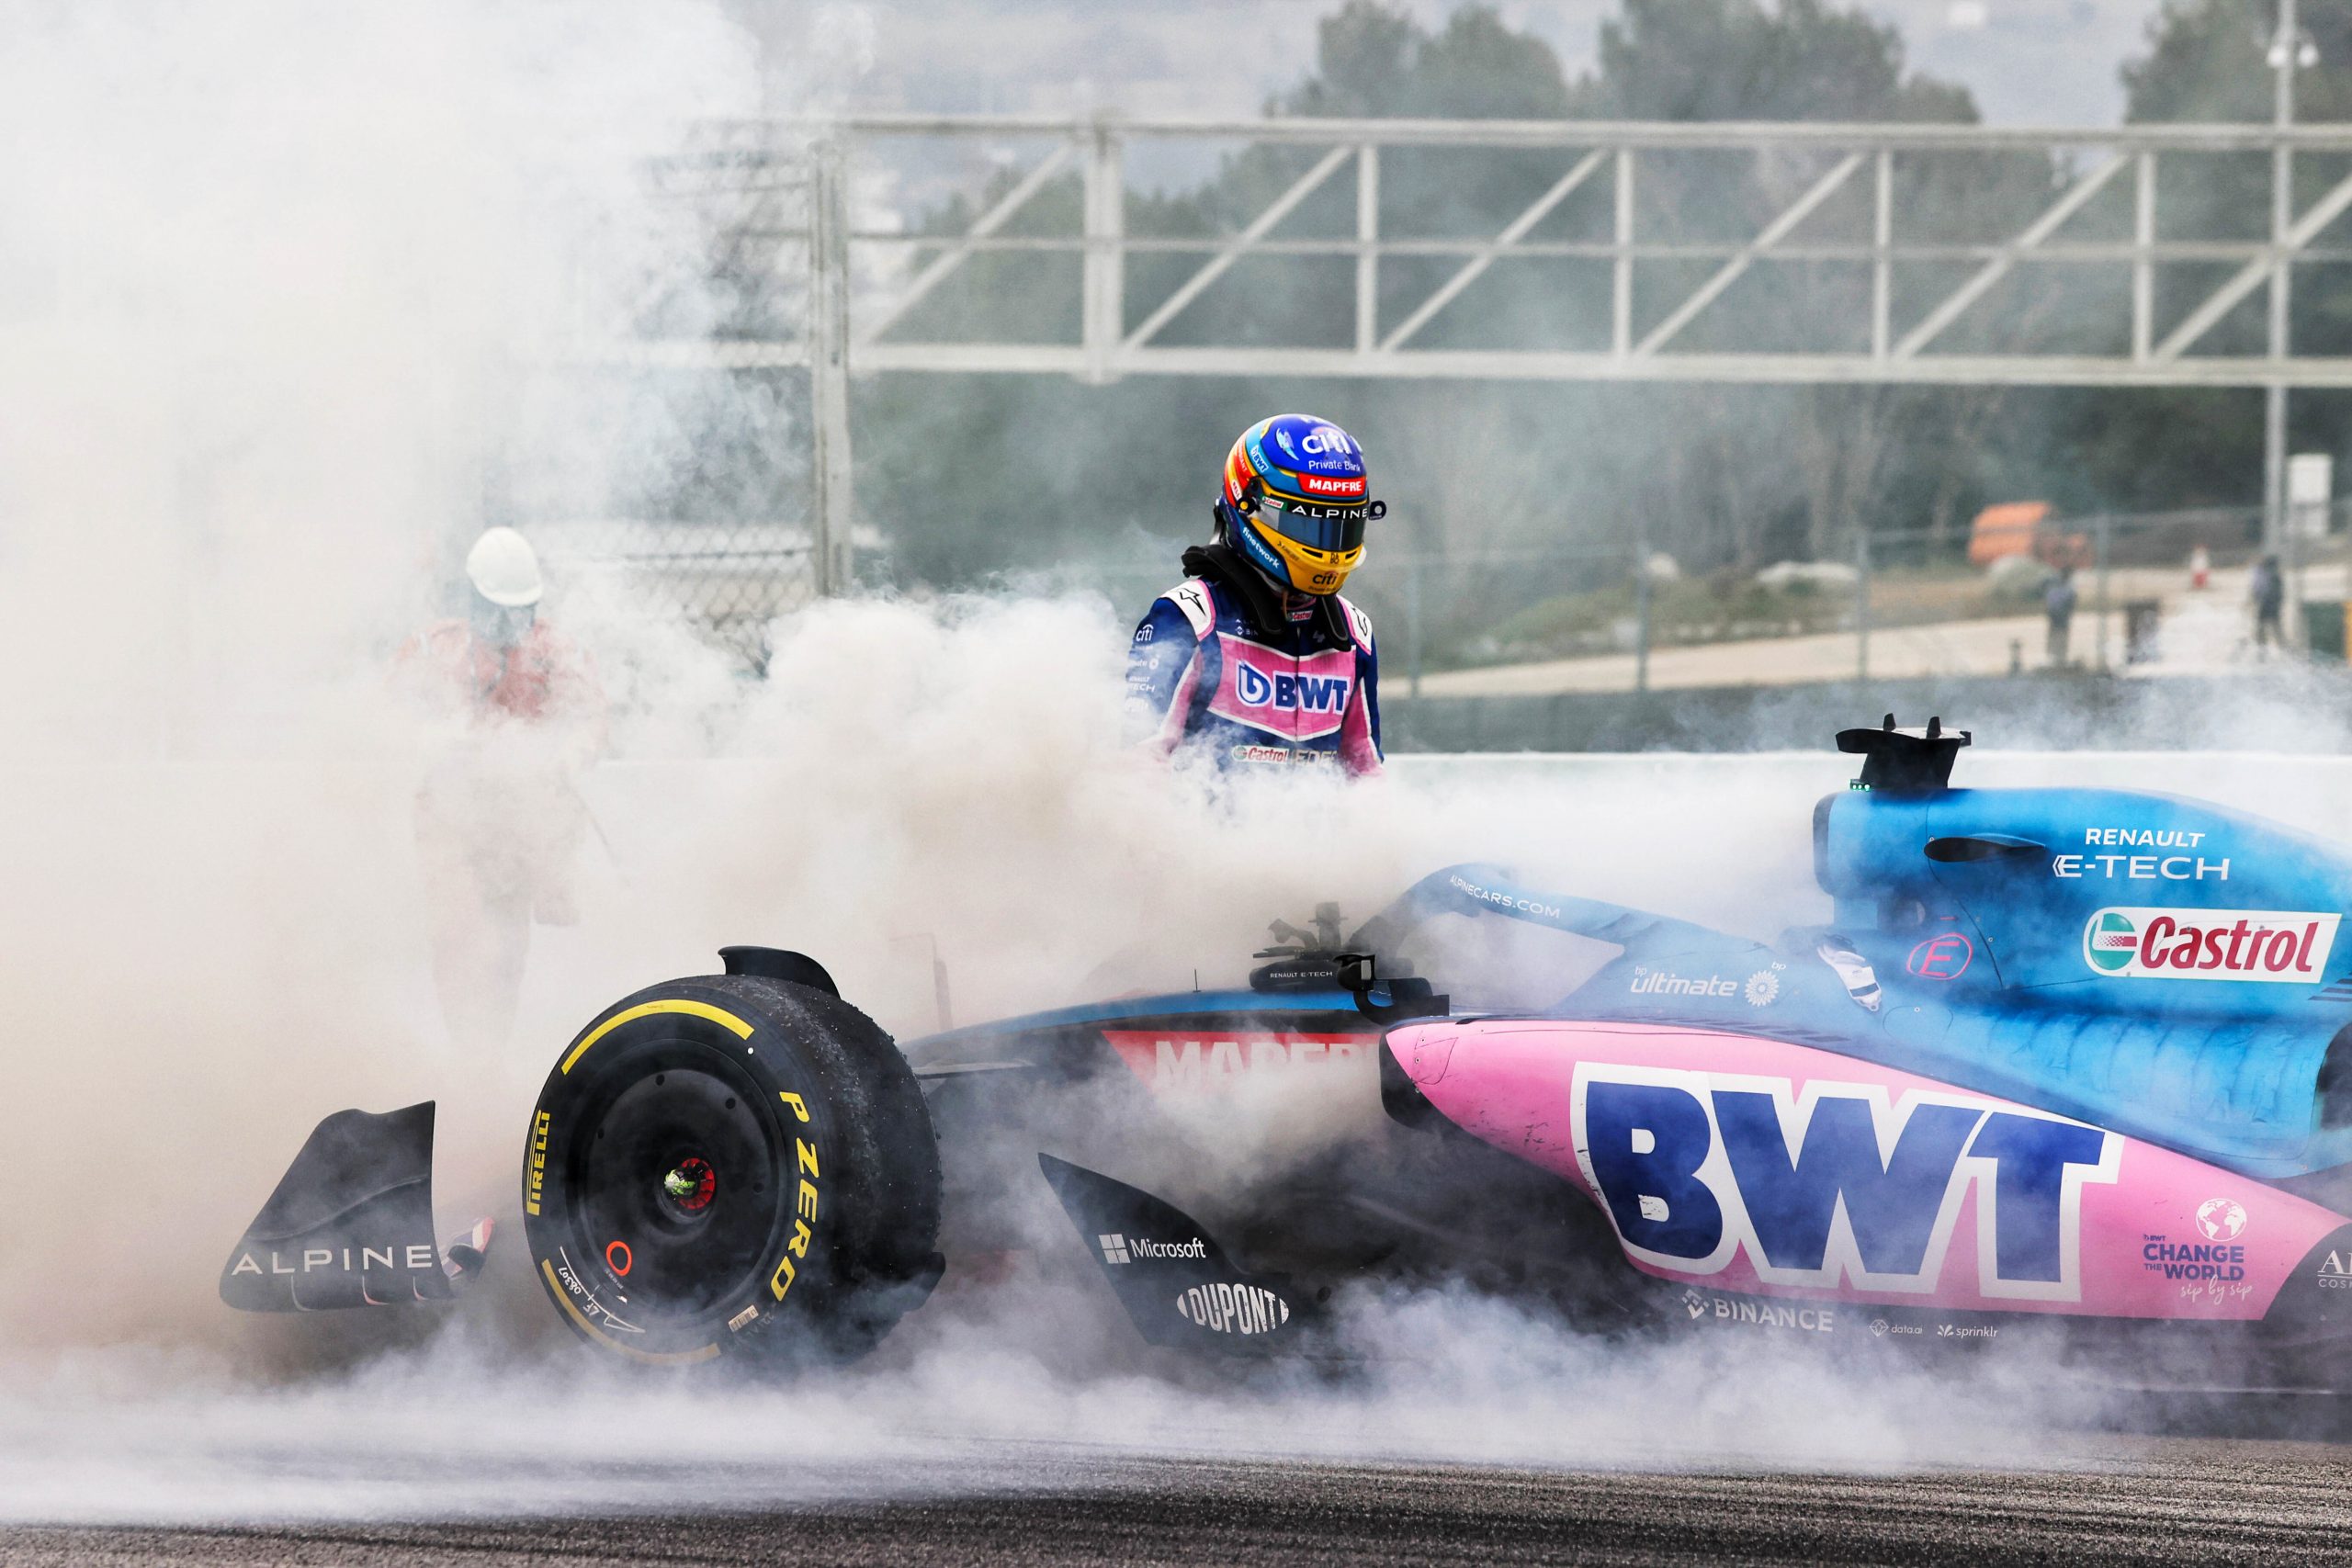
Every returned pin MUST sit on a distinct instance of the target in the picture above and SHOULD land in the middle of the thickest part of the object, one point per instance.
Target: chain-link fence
(2164, 593)
(709, 372)
(2183, 592)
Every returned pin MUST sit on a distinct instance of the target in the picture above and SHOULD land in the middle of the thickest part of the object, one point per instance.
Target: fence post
(830, 541)
(1642, 604)
(2103, 525)
(1861, 603)
(1413, 624)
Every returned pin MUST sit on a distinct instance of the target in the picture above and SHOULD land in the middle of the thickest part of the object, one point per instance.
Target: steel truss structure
(1121, 335)
(2202, 310)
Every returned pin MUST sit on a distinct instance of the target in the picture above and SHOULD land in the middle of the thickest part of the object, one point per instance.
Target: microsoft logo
(1114, 1248)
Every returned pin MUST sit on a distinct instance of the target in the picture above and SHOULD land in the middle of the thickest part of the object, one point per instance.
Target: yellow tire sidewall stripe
(719, 1016)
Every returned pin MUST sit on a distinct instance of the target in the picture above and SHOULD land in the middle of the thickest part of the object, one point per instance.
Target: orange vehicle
(2023, 528)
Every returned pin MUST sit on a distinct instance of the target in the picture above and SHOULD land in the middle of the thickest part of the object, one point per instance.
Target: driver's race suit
(1223, 667)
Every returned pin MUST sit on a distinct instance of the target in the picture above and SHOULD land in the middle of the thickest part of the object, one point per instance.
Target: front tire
(732, 1166)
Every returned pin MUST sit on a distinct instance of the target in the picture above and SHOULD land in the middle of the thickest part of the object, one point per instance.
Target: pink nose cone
(1423, 1050)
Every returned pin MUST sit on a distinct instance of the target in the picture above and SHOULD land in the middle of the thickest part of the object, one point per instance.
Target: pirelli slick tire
(733, 1166)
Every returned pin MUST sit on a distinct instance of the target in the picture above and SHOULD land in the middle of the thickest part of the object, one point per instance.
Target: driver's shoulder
(1358, 624)
(1194, 599)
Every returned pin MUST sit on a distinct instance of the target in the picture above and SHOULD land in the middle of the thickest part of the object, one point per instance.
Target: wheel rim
(679, 1197)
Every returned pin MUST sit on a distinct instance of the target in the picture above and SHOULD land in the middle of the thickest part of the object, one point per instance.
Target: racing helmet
(1296, 500)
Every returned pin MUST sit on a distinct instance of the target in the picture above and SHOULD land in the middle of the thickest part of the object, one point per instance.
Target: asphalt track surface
(2209, 1502)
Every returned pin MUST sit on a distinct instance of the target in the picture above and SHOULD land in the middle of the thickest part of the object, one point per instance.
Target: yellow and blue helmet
(1295, 501)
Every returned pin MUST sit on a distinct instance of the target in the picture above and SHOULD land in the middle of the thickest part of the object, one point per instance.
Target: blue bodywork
(1963, 950)
(1174, 1004)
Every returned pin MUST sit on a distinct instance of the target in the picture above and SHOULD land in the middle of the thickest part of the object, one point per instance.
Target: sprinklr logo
(2285, 946)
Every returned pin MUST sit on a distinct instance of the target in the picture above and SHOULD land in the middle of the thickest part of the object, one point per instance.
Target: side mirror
(1409, 997)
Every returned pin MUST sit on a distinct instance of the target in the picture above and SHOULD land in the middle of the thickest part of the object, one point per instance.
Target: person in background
(2058, 606)
(2200, 568)
(500, 823)
(2267, 586)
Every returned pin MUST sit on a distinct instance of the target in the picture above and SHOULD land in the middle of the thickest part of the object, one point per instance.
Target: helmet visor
(1335, 529)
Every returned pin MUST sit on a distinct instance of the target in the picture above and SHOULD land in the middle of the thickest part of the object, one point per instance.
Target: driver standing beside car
(1255, 661)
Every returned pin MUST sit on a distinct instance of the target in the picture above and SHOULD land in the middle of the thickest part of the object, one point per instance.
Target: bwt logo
(1836, 1183)
(1313, 693)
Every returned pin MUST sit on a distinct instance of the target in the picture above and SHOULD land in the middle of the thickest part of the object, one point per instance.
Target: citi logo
(1328, 438)
(1312, 693)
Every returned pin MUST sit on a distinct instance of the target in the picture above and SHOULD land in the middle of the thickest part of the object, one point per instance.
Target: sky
(2028, 62)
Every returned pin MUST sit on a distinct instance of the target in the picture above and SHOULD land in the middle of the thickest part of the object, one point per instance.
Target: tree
(974, 475)
(2208, 60)
(1697, 59)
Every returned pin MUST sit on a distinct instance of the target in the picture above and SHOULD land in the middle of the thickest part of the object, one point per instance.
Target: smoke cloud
(283, 288)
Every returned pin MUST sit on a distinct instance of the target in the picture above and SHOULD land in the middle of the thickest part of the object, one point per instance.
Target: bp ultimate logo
(2209, 944)
(1835, 1184)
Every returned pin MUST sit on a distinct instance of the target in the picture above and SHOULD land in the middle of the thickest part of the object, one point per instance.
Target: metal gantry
(1823, 203)
(1651, 313)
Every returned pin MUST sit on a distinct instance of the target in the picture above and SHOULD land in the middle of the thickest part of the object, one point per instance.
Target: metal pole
(829, 542)
(1882, 260)
(2282, 220)
(1861, 603)
(2143, 271)
(2099, 543)
(1642, 604)
(1413, 624)
(2291, 622)
(1620, 301)
(2274, 465)
(1104, 320)
(1368, 250)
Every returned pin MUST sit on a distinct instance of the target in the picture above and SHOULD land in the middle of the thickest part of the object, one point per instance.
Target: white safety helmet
(503, 568)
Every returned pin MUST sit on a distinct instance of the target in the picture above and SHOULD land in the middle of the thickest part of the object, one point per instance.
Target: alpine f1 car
(2064, 1061)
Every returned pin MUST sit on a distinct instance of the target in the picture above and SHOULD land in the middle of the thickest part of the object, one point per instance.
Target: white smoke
(279, 281)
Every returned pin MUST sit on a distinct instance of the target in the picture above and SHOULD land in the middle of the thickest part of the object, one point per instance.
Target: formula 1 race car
(2065, 1061)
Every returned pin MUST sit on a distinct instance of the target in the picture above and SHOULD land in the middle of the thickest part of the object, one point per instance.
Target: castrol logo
(2280, 945)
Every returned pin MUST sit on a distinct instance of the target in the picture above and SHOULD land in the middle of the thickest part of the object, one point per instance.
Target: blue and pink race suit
(1205, 676)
